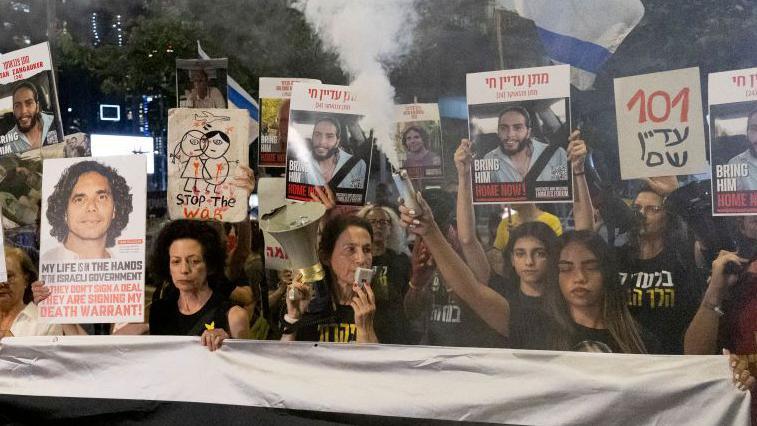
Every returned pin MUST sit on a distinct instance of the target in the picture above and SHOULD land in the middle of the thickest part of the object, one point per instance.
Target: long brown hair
(615, 313)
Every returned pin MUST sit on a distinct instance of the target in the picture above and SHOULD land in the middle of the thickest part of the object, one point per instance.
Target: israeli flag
(582, 33)
(238, 97)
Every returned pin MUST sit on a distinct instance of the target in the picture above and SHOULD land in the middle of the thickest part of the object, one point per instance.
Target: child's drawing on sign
(189, 154)
(216, 166)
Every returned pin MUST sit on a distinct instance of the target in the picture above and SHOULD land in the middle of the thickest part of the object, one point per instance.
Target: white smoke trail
(368, 35)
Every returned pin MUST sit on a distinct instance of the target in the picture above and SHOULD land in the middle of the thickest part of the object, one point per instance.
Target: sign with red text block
(660, 124)
(733, 142)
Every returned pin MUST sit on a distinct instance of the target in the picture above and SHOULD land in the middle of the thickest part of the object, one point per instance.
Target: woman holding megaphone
(341, 307)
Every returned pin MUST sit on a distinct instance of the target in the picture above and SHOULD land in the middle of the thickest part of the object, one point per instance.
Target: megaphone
(295, 227)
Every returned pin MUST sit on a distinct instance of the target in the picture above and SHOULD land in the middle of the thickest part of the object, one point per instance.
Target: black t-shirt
(452, 323)
(167, 320)
(527, 317)
(336, 326)
(389, 287)
(663, 295)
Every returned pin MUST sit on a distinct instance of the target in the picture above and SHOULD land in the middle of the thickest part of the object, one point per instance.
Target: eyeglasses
(383, 222)
(648, 209)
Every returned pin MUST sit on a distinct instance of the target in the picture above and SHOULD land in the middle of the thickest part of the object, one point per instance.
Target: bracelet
(579, 173)
(715, 308)
(289, 320)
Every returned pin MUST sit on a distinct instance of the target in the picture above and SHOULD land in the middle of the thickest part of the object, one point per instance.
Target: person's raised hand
(40, 291)
(298, 297)
(323, 195)
(244, 178)
(364, 305)
(577, 151)
(464, 157)
(419, 221)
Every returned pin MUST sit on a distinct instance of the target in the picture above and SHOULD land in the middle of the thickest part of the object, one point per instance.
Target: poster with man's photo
(419, 140)
(326, 145)
(92, 243)
(201, 83)
(275, 93)
(29, 112)
(519, 123)
(733, 142)
(206, 148)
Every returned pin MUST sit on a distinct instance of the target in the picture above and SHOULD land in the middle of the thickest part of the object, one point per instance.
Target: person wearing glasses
(658, 273)
(391, 263)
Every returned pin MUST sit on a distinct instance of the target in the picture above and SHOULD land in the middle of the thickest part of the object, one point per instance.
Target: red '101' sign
(647, 105)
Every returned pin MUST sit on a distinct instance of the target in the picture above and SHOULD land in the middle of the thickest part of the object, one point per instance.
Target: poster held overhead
(29, 112)
(733, 142)
(419, 140)
(326, 145)
(275, 93)
(206, 148)
(519, 122)
(92, 244)
(660, 125)
(201, 83)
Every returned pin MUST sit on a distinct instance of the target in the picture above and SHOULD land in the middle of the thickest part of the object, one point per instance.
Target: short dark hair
(223, 135)
(329, 119)
(420, 131)
(213, 251)
(334, 228)
(518, 109)
(26, 85)
(57, 202)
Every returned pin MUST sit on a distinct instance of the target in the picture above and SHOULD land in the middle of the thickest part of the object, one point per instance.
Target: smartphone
(362, 276)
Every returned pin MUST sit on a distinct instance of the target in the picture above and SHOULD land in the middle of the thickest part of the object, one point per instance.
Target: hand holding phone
(363, 276)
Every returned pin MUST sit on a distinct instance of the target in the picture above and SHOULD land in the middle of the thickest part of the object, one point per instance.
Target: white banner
(485, 385)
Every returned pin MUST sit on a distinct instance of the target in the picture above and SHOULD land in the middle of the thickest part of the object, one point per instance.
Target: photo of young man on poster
(748, 159)
(31, 124)
(87, 211)
(326, 149)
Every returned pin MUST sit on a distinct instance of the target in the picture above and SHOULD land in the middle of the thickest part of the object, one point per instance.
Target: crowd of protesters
(539, 285)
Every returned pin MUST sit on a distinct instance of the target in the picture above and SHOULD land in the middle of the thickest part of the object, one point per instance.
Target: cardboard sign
(733, 142)
(419, 140)
(92, 244)
(660, 127)
(514, 163)
(326, 145)
(29, 112)
(274, 118)
(206, 147)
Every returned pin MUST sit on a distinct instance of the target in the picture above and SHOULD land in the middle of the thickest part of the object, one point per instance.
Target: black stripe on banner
(22, 410)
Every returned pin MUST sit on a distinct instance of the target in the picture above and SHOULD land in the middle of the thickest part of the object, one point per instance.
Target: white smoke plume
(368, 36)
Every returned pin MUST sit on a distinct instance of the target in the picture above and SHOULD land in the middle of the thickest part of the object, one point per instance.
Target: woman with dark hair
(588, 305)
(190, 257)
(415, 140)
(336, 309)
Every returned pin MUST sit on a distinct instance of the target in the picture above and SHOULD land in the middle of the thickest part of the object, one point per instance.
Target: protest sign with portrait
(326, 145)
(206, 148)
(274, 119)
(733, 142)
(660, 125)
(419, 140)
(519, 122)
(92, 243)
(201, 83)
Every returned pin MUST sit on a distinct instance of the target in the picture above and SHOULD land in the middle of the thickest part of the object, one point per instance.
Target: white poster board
(92, 243)
(660, 124)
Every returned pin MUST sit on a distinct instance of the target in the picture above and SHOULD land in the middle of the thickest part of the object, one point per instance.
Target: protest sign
(271, 196)
(29, 112)
(326, 145)
(201, 83)
(92, 241)
(660, 126)
(419, 140)
(206, 148)
(733, 141)
(274, 118)
(519, 122)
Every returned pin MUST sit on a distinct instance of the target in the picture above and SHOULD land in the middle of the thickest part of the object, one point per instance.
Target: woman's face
(380, 222)
(413, 141)
(529, 259)
(352, 250)
(187, 264)
(580, 276)
(12, 291)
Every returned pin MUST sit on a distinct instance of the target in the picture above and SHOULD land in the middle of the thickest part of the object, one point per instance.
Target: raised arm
(487, 303)
(473, 251)
(583, 211)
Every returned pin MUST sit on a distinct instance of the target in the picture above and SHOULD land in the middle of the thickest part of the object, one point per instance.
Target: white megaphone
(295, 227)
